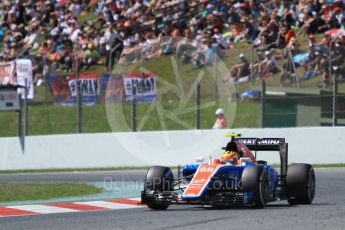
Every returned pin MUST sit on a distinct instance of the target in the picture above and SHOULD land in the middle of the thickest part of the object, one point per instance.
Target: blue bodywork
(229, 176)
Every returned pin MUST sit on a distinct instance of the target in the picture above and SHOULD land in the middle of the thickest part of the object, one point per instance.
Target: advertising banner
(142, 84)
(64, 89)
(24, 77)
(7, 74)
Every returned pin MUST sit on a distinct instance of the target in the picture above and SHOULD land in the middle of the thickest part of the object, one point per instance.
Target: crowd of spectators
(51, 31)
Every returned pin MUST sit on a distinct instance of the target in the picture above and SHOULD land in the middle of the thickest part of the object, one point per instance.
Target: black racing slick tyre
(300, 183)
(158, 179)
(255, 180)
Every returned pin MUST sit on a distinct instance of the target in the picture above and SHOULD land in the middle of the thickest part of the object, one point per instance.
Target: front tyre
(300, 182)
(158, 179)
(255, 180)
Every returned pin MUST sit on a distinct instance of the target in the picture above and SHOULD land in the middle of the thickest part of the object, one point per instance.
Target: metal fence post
(79, 105)
(22, 129)
(19, 117)
(197, 107)
(291, 60)
(25, 131)
(335, 83)
(134, 110)
(334, 104)
(110, 62)
(262, 110)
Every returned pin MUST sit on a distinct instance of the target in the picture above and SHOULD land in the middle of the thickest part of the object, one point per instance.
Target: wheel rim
(311, 185)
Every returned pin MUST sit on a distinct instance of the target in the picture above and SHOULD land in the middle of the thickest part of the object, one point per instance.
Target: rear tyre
(300, 182)
(255, 180)
(158, 179)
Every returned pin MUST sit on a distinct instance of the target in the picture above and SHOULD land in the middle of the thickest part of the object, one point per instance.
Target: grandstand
(289, 44)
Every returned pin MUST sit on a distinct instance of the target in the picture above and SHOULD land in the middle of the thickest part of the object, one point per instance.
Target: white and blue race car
(244, 181)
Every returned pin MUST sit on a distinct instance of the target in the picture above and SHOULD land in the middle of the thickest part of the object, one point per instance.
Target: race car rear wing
(269, 144)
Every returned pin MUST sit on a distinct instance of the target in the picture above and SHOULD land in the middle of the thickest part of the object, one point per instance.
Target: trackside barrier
(312, 145)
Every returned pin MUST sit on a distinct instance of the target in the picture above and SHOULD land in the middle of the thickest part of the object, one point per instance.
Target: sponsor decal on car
(200, 181)
(264, 141)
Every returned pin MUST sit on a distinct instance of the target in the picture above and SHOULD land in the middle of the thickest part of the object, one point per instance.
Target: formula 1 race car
(242, 181)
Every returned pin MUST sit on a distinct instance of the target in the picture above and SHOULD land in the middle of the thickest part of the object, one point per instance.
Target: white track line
(135, 199)
(109, 205)
(42, 209)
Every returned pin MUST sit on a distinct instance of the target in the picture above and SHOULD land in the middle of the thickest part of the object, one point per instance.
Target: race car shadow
(194, 208)
(297, 205)
(201, 208)
(279, 206)
(313, 204)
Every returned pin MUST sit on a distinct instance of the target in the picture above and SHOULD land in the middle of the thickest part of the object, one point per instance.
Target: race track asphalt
(327, 211)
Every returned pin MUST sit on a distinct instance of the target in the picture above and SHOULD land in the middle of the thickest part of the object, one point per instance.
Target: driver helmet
(229, 155)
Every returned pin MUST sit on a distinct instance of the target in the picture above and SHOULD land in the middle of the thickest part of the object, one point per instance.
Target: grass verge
(10, 191)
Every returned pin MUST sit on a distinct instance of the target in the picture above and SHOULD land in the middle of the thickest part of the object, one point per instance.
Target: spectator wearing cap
(90, 56)
(129, 54)
(219, 39)
(220, 122)
(334, 18)
(255, 67)
(312, 65)
(241, 69)
(269, 65)
(312, 40)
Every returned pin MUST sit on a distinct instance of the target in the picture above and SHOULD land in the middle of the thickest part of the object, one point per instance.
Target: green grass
(10, 191)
